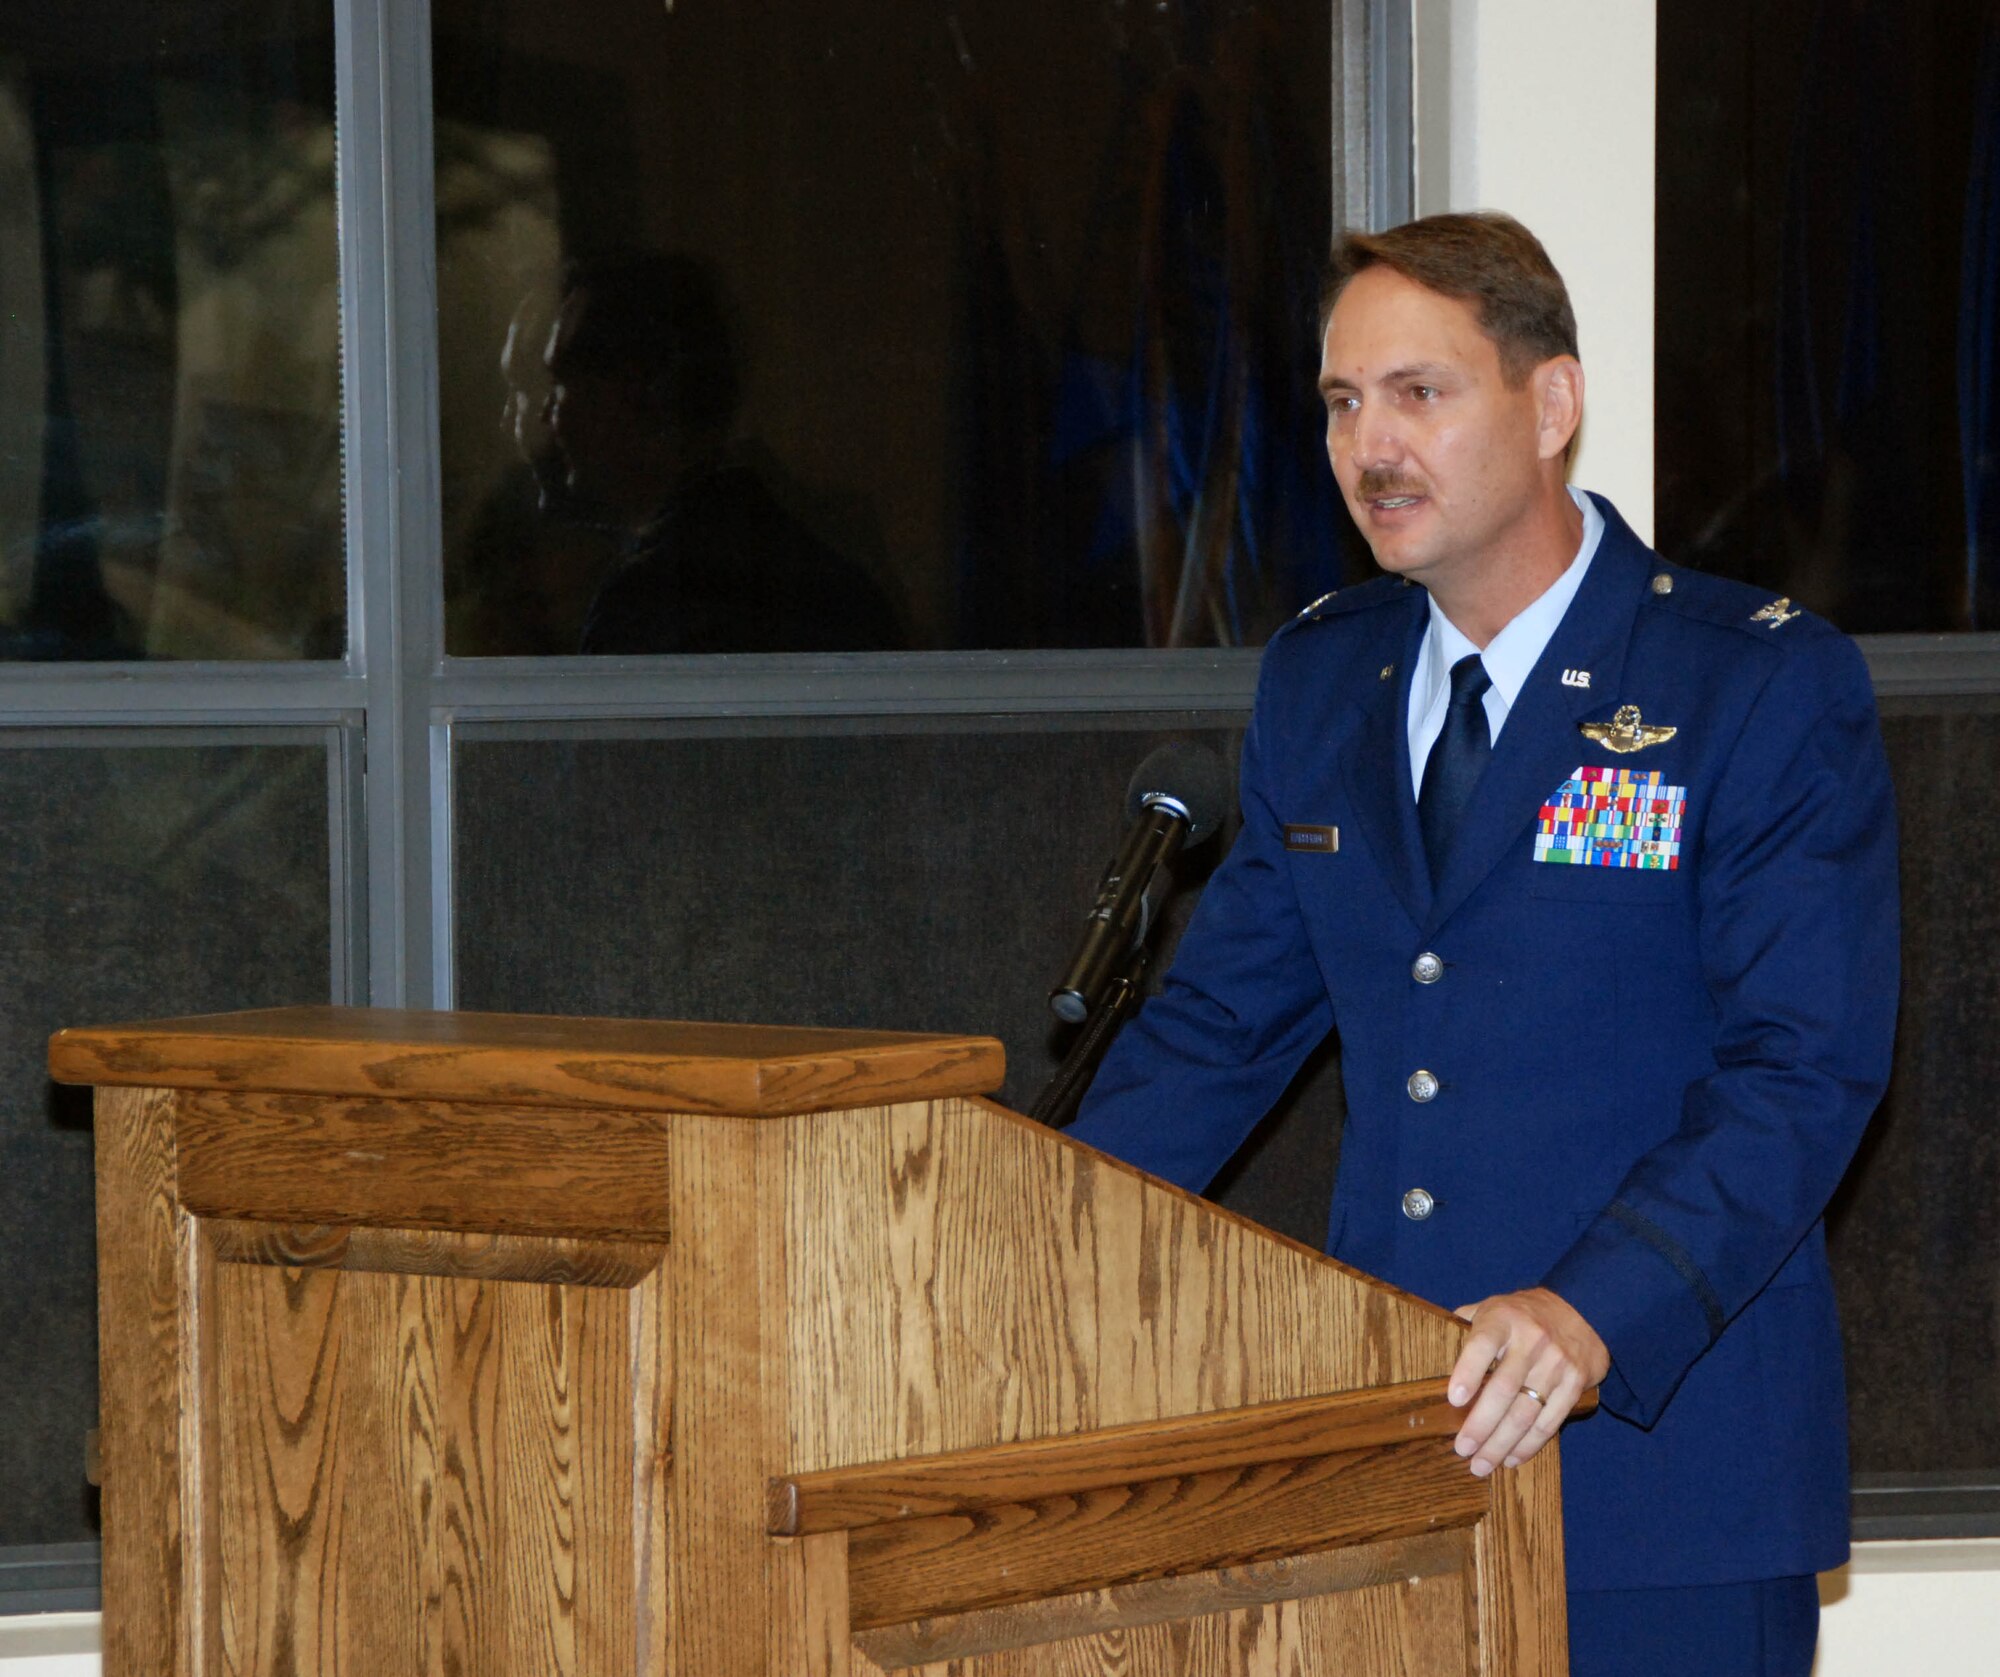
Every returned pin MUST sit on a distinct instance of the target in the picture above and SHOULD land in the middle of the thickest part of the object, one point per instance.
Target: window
(170, 445)
(1826, 363)
(773, 326)
(270, 552)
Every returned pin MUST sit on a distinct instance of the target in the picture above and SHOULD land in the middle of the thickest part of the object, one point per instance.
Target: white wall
(1915, 1607)
(1544, 109)
(50, 1645)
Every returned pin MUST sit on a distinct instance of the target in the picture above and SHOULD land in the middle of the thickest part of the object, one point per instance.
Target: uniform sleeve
(1799, 932)
(1243, 1005)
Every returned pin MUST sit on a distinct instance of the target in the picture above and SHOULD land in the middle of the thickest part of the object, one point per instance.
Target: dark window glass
(874, 326)
(170, 452)
(1828, 267)
(140, 880)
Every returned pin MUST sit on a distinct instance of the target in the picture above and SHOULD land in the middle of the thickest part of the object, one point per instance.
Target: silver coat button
(1423, 1086)
(1427, 968)
(1418, 1204)
(1663, 584)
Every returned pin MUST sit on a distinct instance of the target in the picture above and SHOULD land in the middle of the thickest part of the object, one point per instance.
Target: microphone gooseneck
(1177, 798)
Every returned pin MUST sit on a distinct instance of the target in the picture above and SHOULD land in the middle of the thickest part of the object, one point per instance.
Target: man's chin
(1400, 556)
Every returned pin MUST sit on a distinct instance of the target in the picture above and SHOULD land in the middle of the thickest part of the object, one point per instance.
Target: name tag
(1326, 840)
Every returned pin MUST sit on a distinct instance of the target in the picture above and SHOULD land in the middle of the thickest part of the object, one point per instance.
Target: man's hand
(1531, 1340)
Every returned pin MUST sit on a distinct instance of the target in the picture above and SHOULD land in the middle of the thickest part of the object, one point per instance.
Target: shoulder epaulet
(1731, 604)
(1338, 602)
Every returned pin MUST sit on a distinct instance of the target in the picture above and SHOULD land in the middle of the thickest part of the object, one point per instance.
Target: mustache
(1378, 485)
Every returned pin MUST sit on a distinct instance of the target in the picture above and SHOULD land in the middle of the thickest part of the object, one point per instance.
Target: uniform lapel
(1375, 769)
(1540, 746)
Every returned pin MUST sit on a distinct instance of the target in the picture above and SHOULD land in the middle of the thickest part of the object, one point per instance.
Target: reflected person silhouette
(644, 391)
(523, 573)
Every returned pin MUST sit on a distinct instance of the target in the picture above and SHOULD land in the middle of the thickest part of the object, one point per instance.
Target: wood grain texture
(1161, 1600)
(424, 1474)
(1176, 1447)
(809, 1607)
(725, 1268)
(1384, 1631)
(481, 1257)
(424, 1165)
(494, 1385)
(651, 1363)
(921, 1568)
(203, 1444)
(530, 1060)
(1520, 1601)
(154, 1615)
(961, 1277)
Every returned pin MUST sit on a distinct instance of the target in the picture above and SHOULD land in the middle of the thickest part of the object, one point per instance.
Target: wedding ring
(1529, 1391)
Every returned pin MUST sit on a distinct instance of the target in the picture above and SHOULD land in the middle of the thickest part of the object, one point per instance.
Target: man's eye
(1341, 404)
(1424, 392)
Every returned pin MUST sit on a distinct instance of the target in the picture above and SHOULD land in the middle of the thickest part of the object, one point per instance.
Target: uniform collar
(1537, 750)
(1514, 652)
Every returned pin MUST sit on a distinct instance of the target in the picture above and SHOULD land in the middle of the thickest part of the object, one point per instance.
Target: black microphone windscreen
(1194, 776)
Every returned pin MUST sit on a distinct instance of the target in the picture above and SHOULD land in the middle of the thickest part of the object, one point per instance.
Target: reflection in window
(1828, 346)
(820, 325)
(170, 459)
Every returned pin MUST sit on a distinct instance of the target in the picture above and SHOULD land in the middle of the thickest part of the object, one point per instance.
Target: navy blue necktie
(1456, 760)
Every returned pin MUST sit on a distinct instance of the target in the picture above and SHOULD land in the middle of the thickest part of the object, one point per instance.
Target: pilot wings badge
(1625, 732)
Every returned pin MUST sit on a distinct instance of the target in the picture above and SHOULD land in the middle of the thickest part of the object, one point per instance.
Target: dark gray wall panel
(929, 879)
(138, 881)
(1916, 1227)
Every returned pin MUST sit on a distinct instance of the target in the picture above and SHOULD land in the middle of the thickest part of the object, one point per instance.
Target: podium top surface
(531, 1059)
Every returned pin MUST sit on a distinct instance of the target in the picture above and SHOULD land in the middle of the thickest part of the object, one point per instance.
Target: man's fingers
(1481, 1350)
(1509, 1435)
(1530, 1424)
(1561, 1398)
(1495, 1399)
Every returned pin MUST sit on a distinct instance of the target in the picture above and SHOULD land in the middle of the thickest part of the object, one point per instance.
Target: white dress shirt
(1508, 657)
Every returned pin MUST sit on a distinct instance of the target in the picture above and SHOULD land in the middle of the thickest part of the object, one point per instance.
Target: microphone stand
(1056, 1105)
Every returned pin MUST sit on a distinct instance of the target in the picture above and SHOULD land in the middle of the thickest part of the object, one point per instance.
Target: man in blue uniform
(1590, 861)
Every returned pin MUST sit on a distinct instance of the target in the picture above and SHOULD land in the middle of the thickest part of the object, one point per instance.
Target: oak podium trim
(750, 1071)
(550, 1262)
(1223, 1440)
(967, 1530)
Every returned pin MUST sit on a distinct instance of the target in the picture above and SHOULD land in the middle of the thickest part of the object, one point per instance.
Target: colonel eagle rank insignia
(1777, 614)
(1625, 732)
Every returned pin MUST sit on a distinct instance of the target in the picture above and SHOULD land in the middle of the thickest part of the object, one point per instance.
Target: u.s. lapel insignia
(1625, 732)
(1778, 613)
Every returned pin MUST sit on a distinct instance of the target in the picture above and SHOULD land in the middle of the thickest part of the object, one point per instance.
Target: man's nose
(1377, 438)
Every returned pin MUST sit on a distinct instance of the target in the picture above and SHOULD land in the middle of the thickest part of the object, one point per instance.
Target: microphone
(1176, 799)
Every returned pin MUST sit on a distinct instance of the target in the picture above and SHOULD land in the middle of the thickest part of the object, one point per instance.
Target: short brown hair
(1483, 258)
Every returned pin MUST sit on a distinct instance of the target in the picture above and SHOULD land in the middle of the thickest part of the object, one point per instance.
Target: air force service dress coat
(1624, 1048)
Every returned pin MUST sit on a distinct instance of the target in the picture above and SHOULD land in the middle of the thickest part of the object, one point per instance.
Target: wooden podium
(514, 1347)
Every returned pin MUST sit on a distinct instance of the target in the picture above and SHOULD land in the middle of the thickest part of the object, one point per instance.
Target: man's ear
(1558, 404)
